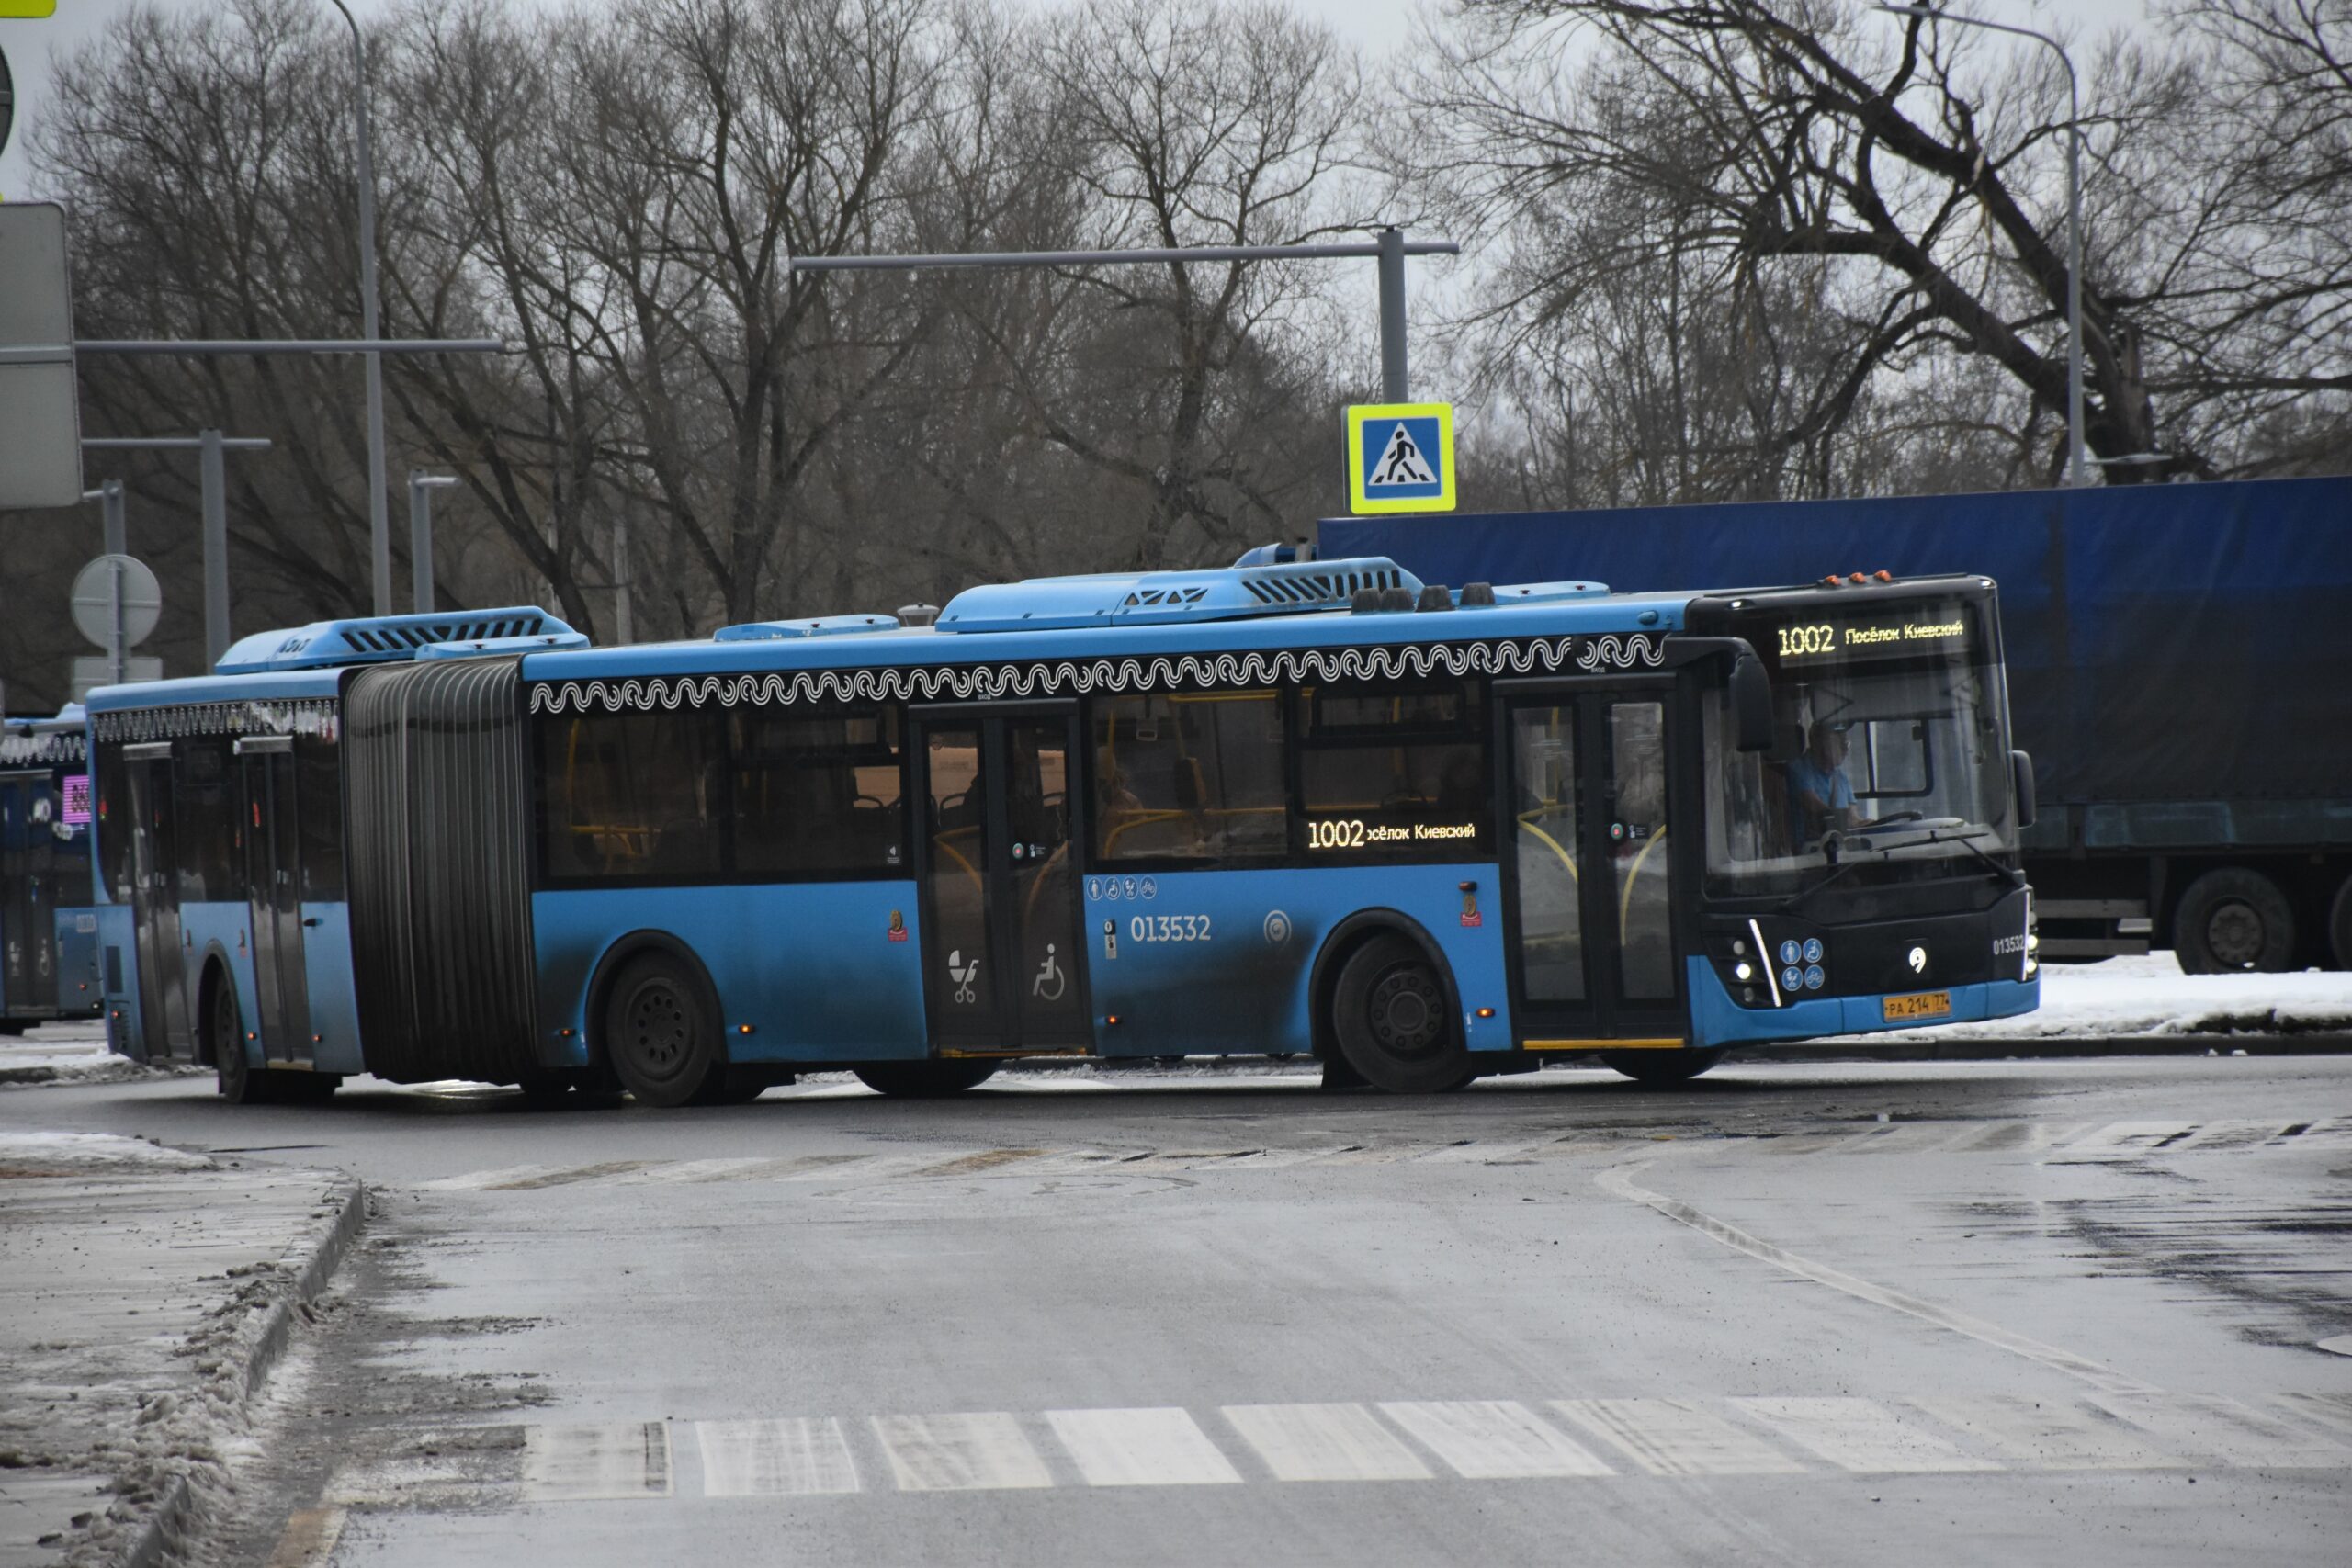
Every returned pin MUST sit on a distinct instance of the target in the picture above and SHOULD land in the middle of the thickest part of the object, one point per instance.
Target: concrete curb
(164, 1528)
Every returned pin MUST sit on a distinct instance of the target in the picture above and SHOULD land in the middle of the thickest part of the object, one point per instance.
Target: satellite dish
(93, 600)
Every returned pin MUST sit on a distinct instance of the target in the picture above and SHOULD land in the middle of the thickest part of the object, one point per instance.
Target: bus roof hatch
(1159, 598)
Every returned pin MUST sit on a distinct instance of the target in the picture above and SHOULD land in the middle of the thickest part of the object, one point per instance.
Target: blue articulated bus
(223, 913)
(1286, 807)
(48, 924)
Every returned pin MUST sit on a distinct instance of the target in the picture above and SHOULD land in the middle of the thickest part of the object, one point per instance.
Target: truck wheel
(1390, 1017)
(1661, 1068)
(2231, 922)
(2339, 926)
(925, 1080)
(661, 1035)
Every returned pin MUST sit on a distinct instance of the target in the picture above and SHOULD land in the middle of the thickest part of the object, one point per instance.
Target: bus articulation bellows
(1287, 807)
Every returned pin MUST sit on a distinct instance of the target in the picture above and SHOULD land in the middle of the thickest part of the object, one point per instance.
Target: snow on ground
(90, 1150)
(2150, 996)
(69, 1053)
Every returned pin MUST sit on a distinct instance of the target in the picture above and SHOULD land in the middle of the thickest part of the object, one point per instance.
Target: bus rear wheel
(240, 1081)
(1392, 1020)
(925, 1080)
(661, 1034)
(1661, 1068)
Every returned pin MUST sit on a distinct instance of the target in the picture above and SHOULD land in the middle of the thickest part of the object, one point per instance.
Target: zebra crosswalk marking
(1493, 1439)
(2088, 1142)
(1161, 1447)
(2213, 1427)
(612, 1459)
(2048, 1434)
(1675, 1436)
(1324, 1443)
(1590, 1441)
(1860, 1435)
(796, 1456)
(975, 1452)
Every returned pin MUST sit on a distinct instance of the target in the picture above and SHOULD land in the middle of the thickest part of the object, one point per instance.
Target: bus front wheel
(925, 1080)
(661, 1033)
(1392, 1020)
(1661, 1068)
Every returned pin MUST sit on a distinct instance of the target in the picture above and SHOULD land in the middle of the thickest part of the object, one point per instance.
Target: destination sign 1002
(1937, 631)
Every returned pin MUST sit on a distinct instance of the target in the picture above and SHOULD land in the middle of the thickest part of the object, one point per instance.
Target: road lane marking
(1492, 1440)
(620, 1458)
(688, 1170)
(2235, 1434)
(1620, 1180)
(1324, 1443)
(973, 1453)
(307, 1539)
(566, 1178)
(797, 1456)
(2048, 1434)
(475, 1181)
(2122, 1140)
(1860, 1435)
(1163, 1447)
(1675, 1436)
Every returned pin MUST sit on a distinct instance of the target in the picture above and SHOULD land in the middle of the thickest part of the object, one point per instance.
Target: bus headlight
(1744, 971)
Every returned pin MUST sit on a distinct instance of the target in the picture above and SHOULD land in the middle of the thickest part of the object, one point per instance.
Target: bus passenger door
(156, 901)
(17, 931)
(1592, 955)
(274, 891)
(1002, 964)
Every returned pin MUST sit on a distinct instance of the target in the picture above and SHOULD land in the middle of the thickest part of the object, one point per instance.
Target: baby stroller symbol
(964, 974)
(1050, 981)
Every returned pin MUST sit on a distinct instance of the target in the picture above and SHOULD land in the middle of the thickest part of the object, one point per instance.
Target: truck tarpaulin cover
(2165, 642)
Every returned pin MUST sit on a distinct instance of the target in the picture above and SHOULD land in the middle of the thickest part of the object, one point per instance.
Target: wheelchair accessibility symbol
(1050, 982)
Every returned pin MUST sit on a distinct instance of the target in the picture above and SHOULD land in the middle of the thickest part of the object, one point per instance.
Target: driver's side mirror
(2021, 782)
(1751, 701)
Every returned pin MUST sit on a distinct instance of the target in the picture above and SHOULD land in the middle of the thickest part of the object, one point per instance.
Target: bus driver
(1820, 799)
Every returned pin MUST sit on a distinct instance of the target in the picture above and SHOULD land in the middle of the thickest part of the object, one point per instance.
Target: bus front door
(1002, 964)
(274, 888)
(1592, 952)
(156, 902)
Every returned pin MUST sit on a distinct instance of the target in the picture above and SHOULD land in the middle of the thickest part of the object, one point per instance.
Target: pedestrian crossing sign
(1400, 458)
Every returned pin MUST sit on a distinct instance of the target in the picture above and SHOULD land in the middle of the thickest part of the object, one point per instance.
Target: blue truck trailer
(2180, 671)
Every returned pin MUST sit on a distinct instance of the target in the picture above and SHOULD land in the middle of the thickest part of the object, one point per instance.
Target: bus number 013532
(1168, 928)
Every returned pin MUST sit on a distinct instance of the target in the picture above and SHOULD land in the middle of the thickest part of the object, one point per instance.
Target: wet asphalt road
(2031, 1312)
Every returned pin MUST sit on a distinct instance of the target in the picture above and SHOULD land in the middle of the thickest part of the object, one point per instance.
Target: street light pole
(420, 486)
(379, 529)
(2077, 472)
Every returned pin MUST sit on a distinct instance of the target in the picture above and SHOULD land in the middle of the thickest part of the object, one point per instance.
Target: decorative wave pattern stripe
(49, 748)
(1078, 677)
(292, 715)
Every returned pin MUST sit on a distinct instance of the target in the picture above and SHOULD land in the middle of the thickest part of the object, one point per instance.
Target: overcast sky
(1375, 25)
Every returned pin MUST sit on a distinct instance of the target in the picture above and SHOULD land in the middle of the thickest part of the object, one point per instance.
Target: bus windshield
(1889, 747)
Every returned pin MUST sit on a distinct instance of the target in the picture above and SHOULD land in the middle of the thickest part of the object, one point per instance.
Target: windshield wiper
(1848, 859)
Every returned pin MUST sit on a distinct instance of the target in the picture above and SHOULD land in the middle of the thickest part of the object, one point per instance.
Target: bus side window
(1396, 772)
(817, 795)
(318, 788)
(635, 795)
(1191, 777)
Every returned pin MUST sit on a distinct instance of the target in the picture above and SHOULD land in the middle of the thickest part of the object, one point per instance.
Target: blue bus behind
(48, 948)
